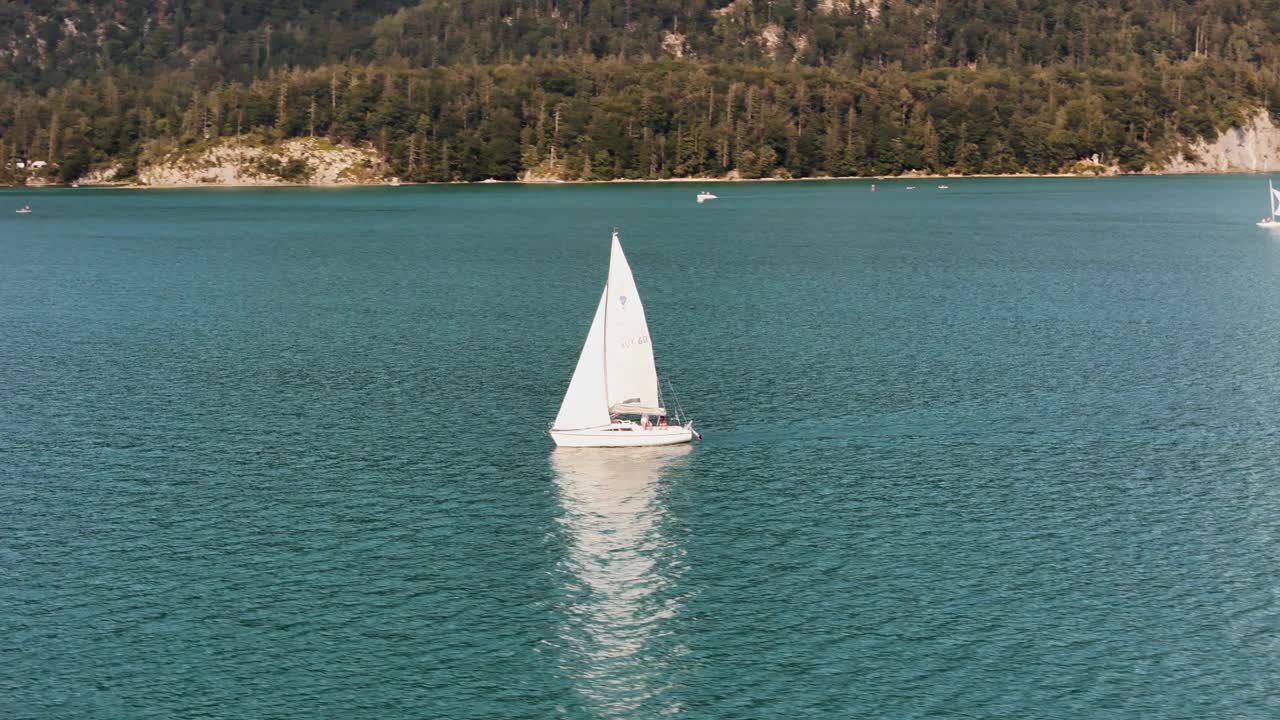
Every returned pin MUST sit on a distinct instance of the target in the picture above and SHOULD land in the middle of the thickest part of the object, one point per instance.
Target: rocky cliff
(1252, 147)
(305, 161)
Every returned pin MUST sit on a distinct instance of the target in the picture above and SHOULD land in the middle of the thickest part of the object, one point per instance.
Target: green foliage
(448, 90)
(294, 170)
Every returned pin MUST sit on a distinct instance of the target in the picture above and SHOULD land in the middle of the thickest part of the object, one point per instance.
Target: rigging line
(679, 409)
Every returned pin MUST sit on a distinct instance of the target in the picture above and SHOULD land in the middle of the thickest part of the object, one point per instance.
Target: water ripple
(1010, 456)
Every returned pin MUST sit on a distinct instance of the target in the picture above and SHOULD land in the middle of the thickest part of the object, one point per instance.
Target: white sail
(630, 374)
(585, 404)
(1275, 201)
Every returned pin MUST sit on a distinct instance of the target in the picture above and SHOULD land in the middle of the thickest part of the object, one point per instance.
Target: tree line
(592, 89)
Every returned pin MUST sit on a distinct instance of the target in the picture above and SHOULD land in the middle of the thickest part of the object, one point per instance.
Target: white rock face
(1255, 147)
(771, 37)
(100, 176)
(673, 43)
(235, 163)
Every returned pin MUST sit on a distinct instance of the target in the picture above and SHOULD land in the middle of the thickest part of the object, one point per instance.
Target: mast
(604, 356)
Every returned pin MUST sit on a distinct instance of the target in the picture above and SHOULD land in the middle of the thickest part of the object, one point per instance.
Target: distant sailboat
(616, 376)
(23, 210)
(1271, 221)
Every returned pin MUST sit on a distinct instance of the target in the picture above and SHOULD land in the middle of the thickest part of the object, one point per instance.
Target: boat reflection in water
(622, 574)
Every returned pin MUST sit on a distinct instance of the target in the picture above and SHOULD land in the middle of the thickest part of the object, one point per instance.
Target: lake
(1005, 450)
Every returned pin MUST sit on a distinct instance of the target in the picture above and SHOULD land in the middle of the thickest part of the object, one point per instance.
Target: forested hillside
(599, 89)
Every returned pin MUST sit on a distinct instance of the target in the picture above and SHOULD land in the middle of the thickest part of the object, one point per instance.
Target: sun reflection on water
(622, 585)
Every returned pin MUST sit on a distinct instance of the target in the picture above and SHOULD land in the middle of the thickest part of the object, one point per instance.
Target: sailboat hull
(623, 435)
(1271, 224)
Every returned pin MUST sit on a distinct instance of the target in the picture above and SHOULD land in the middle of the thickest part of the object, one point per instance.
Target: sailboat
(616, 379)
(1270, 221)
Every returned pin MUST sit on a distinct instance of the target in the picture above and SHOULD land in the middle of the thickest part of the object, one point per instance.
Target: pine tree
(54, 129)
(282, 107)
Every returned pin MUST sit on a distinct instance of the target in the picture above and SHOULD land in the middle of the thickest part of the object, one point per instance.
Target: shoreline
(626, 181)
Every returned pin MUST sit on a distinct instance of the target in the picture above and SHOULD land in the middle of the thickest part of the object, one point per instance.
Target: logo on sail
(622, 300)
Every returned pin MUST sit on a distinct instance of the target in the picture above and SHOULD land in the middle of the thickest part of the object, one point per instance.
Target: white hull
(623, 434)
(1270, 224)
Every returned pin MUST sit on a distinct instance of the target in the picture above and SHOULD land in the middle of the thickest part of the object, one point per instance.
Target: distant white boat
(616, 377)
(944, 187)
(911, 187)
(395, 182)
(1271, 221)
(705, 196)
(23, 210)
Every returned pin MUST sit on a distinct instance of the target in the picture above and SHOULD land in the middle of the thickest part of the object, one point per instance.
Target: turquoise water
(1006, 450)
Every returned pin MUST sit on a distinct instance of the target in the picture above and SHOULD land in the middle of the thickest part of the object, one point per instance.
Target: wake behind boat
(1271, 221)
(613, 399)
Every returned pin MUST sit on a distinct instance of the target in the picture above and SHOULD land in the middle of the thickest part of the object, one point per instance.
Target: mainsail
(615, 373)
(1275, 201)
(630, 374)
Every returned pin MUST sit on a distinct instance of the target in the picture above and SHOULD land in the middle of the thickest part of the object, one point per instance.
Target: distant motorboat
(705, 196)
(24, 209)
(911, 187)
(1271, 221)
(944, 187)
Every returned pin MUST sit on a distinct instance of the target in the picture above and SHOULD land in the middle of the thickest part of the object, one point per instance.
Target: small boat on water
(705, 196)
(911, 187)
(616, 380)
(944, 187)
(23, 210)
(1271, 221)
